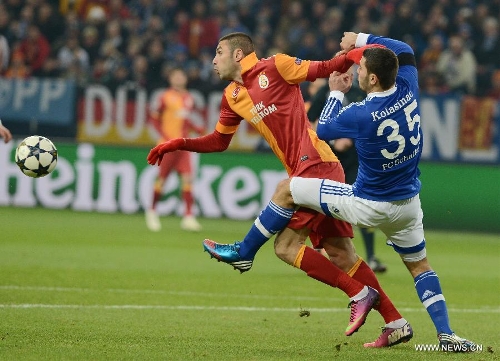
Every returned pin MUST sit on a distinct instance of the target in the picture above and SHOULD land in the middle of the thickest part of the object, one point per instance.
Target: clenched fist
(340, 81)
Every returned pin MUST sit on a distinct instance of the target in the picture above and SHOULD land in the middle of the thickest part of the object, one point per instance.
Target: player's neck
(178, 89)
(375, 89)
(237, 74)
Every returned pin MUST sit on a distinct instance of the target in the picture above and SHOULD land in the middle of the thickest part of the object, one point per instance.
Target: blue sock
(270, 221)
(430, 294)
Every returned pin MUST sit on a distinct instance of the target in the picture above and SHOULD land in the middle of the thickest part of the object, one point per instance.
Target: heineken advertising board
(229, 184)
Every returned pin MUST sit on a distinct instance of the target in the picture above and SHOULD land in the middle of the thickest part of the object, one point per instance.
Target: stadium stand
(113, 41)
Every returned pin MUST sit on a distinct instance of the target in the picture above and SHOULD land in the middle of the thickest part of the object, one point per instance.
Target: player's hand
(340, 81)
(340, 52)
(156, 154)
(348, 41)
(356, 54)
(5, 134)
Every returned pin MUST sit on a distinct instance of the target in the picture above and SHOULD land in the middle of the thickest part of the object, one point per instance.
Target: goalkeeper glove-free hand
(156, 154)
(356, 54)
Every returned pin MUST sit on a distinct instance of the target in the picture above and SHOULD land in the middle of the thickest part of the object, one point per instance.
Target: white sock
(362, 294)
(397, 323)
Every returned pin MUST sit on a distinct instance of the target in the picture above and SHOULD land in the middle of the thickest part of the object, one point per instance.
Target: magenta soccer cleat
(392, 336)
(360, 310)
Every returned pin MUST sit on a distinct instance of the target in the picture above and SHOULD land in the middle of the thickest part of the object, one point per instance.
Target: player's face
(363, 76)
(224, 62)
(178, 79)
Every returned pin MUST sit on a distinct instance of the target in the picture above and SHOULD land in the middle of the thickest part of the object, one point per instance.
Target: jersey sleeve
(293, 70)
(162, 106)
(219, 139)
(154, 115)
(323, 69)
(398, 47)
(229, 121)
(336, 122)
(210, 143)
(404, 52)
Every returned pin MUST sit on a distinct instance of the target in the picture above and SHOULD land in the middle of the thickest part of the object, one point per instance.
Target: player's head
(239, 41)
(177, 78)
(231, 49)
(377, 69)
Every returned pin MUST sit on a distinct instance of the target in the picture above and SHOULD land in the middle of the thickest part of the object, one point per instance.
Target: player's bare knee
(282, 196)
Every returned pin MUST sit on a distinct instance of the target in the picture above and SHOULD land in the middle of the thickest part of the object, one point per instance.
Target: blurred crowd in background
(116, 42)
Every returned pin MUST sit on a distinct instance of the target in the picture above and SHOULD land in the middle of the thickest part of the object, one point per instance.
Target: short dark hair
(384, 64)
(239, 41)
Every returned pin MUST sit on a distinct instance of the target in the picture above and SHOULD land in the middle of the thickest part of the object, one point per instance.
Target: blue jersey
(385, 127)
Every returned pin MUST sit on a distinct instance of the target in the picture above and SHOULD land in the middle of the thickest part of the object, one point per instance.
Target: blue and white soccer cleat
(453, 343)
(228, 253)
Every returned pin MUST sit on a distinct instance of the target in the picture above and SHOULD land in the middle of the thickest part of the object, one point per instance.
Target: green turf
(88, 286)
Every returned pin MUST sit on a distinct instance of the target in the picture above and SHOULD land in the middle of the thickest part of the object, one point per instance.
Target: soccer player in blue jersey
(388, 137)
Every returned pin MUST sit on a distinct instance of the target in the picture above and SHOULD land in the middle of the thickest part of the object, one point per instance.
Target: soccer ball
(36, 156)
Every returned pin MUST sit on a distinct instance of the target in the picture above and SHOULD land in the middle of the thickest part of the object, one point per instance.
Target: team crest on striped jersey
(263, 81)
(236, 92)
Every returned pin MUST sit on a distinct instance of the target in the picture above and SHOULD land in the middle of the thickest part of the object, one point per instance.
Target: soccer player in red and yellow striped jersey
(266, 94)
(171, 120)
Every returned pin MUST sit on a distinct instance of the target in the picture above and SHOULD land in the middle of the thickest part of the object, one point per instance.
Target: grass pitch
(88, 286)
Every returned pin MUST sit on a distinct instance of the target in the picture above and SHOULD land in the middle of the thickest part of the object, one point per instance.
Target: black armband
(407, 59)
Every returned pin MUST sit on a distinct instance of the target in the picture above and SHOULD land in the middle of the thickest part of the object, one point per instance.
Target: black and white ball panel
(36, 156)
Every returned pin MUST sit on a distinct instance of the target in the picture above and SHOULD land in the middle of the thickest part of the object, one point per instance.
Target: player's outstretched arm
(404, 52)
(214, 142)
(323, 69)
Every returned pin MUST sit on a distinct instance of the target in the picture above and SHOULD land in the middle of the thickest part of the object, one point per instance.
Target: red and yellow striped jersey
(271, 101)
(173, 112)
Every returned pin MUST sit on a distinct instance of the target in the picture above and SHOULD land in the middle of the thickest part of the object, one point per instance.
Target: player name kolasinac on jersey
(381, 114)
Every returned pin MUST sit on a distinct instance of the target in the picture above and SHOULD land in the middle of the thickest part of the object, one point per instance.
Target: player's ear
(373, 79)
(238, 55)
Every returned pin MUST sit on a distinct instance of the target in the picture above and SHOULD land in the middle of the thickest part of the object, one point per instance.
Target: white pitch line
(487, 309)
(218, 308)
(166, 307)
(159, 292)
